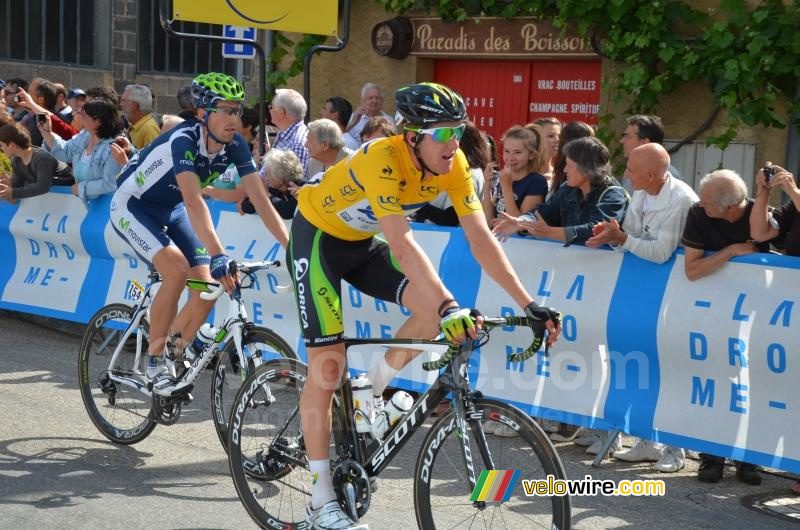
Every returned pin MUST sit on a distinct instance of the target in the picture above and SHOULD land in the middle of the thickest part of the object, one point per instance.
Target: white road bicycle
(112, 360)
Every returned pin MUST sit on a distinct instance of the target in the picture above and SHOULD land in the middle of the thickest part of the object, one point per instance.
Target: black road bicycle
(270, 470)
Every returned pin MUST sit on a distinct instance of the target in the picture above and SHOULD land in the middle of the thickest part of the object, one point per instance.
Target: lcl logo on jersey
(428, 191)
(348, 192)
(471, 201)
(389, 202)
(328, 203)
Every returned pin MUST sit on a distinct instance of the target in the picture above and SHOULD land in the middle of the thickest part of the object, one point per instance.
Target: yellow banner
(296, 16)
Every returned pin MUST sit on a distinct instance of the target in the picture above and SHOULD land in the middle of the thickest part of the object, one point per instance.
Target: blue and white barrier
(709, 365)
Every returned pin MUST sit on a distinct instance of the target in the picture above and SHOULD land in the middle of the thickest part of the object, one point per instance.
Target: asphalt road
(58, 471)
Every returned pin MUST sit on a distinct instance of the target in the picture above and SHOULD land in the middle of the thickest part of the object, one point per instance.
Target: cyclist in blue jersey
(159, 210)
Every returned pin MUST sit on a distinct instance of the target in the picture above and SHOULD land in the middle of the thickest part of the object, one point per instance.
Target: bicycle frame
(234, 324)
(451, 380)
(139, 311)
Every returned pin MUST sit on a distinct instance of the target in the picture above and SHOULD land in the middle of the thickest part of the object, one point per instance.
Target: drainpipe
(340, 44)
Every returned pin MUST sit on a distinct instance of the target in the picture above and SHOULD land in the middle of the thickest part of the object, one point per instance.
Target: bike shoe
(331, 517)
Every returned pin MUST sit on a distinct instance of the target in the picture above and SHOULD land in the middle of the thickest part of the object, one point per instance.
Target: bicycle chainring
(350, 473)
(167, 411)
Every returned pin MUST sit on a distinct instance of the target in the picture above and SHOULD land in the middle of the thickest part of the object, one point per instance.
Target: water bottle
(362, 403)
(205, 335)
(394, 409)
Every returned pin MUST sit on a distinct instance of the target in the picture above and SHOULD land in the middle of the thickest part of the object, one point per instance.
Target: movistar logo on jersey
(123, 224)
(200, 251)
(140, 178)
(211, 178)
(188, 155)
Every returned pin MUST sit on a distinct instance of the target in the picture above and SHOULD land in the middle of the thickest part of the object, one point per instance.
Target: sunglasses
(230, 111)
(442, 134)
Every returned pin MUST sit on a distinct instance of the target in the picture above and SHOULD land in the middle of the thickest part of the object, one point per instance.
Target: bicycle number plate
(135, 290)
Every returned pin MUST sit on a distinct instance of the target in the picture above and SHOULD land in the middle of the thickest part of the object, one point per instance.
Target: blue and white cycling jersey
(147, 209)
(150, 174)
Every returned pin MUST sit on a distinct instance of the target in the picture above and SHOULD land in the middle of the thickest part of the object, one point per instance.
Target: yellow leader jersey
(378, 180)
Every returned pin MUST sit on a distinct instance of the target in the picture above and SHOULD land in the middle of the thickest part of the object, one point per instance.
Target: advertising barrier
(708, 365)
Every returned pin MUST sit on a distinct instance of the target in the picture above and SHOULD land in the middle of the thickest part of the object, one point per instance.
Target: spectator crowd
(546, 179)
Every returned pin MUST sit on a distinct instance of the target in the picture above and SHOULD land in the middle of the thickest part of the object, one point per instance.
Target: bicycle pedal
(188, 398)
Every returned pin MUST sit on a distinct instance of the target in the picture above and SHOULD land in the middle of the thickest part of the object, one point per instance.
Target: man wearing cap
(76, 99)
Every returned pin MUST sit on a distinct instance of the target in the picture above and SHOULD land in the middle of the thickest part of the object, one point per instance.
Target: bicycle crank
(352, 487)
(167, 410)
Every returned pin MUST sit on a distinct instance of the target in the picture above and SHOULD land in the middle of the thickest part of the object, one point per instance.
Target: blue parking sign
(238, 51)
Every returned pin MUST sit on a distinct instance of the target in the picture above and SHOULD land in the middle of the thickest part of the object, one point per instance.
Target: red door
(567, 90)
(496, 92)
(500, 94)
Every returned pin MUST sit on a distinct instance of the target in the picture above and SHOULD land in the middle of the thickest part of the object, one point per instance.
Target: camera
(16, 98)
(769, 171)
(41, 118)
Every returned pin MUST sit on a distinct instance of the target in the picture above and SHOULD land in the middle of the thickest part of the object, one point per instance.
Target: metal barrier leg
(606, 446)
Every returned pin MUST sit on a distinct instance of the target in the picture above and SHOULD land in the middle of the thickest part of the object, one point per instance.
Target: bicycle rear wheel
(119, 411)
(266, 453)
(442, 490)
(260, 345)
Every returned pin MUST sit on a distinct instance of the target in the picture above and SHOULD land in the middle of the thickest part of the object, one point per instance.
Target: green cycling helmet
(208, 88)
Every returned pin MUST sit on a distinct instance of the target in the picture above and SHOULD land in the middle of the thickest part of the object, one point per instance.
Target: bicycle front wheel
(119, 411)
(266, 452)
(260, 345)
(441, 487)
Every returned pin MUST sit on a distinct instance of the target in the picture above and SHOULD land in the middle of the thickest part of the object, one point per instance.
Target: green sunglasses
(442, 134)
(230, 111)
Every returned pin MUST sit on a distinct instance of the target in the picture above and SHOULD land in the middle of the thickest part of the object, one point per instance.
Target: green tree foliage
(748, 56)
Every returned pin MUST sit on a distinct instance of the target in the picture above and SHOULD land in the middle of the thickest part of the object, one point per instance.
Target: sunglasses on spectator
(442, 134)
(230, 111)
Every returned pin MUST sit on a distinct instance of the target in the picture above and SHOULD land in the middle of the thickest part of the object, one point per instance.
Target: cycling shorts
(149, 227)
(318, 262)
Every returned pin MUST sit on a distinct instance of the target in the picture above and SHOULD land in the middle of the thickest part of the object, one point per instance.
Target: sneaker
(490, 426)
(587, 438)
(674, 459)
(548, 426)
(566, 434)
(642, 451)
(331, 517)
(748, 473)
(710, 470)
(504, 431)
(597, 446)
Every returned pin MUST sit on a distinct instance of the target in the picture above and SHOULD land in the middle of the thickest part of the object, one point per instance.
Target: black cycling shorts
(318, 262)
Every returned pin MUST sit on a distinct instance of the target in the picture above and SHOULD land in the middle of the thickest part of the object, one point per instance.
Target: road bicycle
(270, 469)
(112, 360)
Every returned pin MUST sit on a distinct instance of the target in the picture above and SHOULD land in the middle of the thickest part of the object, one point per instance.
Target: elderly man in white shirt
(652, 230)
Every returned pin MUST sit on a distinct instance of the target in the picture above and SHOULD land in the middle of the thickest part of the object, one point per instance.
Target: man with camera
(781, 224)
(719, 222)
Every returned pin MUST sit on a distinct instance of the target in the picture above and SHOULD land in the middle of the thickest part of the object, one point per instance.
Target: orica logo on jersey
(300, 268)
(390, 203)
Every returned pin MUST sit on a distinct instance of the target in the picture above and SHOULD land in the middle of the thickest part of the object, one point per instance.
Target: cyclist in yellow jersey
(333, 238)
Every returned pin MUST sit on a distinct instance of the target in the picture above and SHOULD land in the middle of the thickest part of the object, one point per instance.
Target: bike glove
(219, 265)
(455, 321)
(540, 313)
